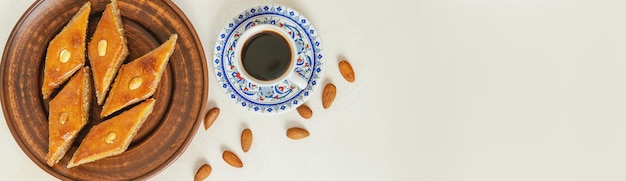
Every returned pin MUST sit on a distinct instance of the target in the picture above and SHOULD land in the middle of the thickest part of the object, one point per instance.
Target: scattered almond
(210, 117)
(246, 139)
(203, 172)
(296, 133)
(232, 159)
(305, 111)
(328, 96)
(346, 70)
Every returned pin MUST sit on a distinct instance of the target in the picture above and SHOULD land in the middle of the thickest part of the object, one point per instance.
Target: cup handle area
(299, 81)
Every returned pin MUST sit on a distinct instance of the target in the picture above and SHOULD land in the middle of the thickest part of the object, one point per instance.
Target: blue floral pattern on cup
(284, 95)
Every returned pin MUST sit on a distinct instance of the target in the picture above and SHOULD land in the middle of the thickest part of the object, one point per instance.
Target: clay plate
(181, 95)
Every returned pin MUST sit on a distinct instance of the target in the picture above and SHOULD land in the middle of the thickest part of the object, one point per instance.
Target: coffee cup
(266, 55)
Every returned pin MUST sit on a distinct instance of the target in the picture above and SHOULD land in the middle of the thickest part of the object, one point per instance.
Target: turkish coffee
(266, 56)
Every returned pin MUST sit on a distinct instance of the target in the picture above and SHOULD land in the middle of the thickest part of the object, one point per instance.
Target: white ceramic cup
(290, 73)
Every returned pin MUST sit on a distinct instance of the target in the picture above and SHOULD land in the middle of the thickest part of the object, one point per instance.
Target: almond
(346, 70)
(328, 96)
(203, 172)
(110, 137)
(102, 47)
(305, 111)
(63, 117)
(210, 117)
(64, 56)
(246, 139)
(296, 133)
(135, 83)
(232, 159)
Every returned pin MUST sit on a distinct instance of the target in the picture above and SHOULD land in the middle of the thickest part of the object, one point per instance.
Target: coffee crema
(266, 56)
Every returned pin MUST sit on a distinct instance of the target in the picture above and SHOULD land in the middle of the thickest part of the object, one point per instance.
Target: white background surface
(445, 90)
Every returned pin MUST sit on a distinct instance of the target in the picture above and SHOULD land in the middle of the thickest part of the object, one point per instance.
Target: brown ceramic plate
(181, 95)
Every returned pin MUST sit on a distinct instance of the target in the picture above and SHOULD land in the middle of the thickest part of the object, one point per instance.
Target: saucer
(285, 95)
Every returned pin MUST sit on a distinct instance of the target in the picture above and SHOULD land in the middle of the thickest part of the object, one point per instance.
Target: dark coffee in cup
(266, 56)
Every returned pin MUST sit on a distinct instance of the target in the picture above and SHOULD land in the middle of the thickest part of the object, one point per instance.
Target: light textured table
(445, 90)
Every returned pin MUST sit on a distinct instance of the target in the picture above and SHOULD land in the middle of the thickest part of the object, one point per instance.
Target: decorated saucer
(282, 96)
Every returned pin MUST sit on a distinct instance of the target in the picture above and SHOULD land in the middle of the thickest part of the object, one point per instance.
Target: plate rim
(269, 11)
(9, 114)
